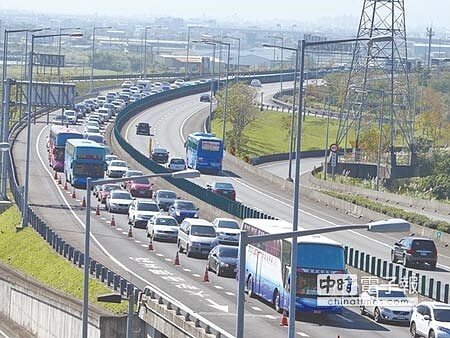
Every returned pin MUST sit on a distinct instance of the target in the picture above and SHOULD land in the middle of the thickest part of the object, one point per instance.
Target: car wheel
(431, 334)
(180, 248)
(362, 310)
(377, 315)
(188, 251)
(413, 330)
(393, 260)
(276, 301)
(250, 287)
(405, 261)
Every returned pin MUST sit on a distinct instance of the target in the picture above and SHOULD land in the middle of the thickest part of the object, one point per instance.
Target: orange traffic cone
(177, 260)
(206, 276)
(130, 231)
(59, 180)
(97, 211)
(83, 202)
(284, 320)
(150, 244)
(73, 193)
(113, 222)
(55, 175)
(65, 185)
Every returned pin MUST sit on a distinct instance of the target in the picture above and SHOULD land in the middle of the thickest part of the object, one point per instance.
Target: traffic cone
(59, 180)
(83, 202)
(73, 193)
(97, 211)
(206, 276)
(65, 185)
(150, 244)
(284, 320)
(130, 231)
(55, 175)
(113, 221)
(177, 260)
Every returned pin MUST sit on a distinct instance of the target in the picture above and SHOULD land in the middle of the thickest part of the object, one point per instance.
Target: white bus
(268, 266)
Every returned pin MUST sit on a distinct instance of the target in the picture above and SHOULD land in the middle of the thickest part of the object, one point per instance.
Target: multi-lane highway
(171, 122)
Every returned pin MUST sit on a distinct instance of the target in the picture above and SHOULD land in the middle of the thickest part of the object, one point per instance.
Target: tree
(240, 112)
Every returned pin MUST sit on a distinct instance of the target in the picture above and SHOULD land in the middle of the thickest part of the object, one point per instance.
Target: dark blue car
(181, 209)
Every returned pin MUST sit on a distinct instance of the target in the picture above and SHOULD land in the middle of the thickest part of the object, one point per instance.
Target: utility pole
(430, 34)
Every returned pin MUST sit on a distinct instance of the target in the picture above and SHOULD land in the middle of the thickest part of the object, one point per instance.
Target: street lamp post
(225, 105)
(186, 64)
(238, 55)
(291, 142)
(89, 184)
(325, 165)
(29, 107)
(144, 70)
(61, 29)
(392, 225)
(93, 56)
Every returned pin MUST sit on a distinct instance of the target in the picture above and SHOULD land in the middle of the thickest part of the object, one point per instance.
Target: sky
(419, 13)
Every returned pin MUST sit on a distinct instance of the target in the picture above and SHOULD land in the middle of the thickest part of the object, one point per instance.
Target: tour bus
(204, 151)
(268, 266)
(84, 158)
(56, 144)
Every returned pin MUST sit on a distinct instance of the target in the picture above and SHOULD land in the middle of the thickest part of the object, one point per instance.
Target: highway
(215, 300)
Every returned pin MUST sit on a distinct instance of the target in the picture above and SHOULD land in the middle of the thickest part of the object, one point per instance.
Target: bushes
(392, 211)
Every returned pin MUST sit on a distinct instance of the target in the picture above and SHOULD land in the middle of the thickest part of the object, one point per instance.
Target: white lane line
(4, 334)
(218, 287)
(229, 293)
(168, 259)
(196, 275)
(303, 334)
(144, 245)
(256, 308)
(187, 270)
(344, 318)
(159, 254)
(138, 241)
(270, 317)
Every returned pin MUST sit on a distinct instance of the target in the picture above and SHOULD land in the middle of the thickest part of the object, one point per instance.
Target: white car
(163, 227)
(91, 129)
(71, 116)
(116, 168)
(386, 303)
(227, 230)
(430, 319)
(109, 158)
(118, 201)
(176, 163)
(141, 211)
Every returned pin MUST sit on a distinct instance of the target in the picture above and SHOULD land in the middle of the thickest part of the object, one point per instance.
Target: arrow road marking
(213, 304)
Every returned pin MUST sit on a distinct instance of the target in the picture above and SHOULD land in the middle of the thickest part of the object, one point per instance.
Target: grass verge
(26, 251)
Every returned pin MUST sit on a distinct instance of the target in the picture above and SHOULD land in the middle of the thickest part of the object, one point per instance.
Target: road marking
(214, 305)
(138, 241)
(187, 270)
(229, 293)
(303, 334)
(218, 287)
(168, 259)
(270, 316)
(4, 334)
(159, 254)
(195, 275)
(344, 318)
(256, 308)
(144, 245)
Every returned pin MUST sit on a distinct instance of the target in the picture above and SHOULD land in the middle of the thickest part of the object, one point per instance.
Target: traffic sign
(334, 147)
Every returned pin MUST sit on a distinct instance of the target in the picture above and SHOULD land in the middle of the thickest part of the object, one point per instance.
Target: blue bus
(56, 144)
(268, 266)
(204, 151)
(83, 159)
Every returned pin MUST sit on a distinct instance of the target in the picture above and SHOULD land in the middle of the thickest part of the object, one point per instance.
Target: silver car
(118, 201)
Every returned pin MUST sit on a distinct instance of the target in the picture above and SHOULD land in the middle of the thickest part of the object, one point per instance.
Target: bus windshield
(331, 256)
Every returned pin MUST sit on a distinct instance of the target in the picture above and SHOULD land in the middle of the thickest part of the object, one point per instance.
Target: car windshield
(231, 252)
(118, 164)
(225, 186)
(110, 187)
(423, 245)
(204, 231)
(186, 205)
(166, 221)
(148, 207)
(228, 224)
(167, 194)
(442, 315)
(134, 173)
(160, 151)
(141, 180)
(177, 161)
(122, 195)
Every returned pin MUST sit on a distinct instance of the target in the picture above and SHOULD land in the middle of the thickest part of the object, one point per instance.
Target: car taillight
(410, 251)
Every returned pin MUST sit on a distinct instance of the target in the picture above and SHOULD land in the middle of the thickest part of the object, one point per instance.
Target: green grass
(28, 252)
(269, 137)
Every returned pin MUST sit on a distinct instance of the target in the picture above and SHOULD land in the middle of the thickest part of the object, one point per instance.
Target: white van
(196, 236)
(145, 85)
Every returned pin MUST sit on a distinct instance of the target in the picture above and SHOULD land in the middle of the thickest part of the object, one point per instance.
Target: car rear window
(423, 245)
(204, 231)
(227, 186)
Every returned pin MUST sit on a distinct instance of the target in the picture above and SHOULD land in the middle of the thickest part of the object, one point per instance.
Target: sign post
(333, 148)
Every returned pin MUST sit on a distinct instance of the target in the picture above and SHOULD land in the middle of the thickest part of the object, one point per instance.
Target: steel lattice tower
(378, 80)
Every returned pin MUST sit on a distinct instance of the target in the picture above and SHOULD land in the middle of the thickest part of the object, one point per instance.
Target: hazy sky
(418, 12)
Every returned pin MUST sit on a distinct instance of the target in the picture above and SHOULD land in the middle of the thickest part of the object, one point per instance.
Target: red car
(104, 191)
(140, 187)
